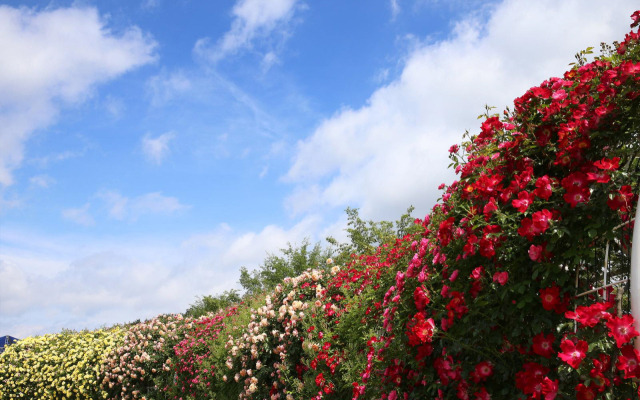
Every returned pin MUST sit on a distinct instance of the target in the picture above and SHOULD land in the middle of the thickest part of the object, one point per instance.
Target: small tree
(211, 304)
(366, 236)
(293, 261)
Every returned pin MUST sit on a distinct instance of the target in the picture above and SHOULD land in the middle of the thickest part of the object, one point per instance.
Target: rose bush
(483, 308)
(144, 365)
(266, 360)
(195, 373)
(345, 319)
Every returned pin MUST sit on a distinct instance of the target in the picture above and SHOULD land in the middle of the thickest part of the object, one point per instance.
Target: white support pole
(605, 295)
(634, 277)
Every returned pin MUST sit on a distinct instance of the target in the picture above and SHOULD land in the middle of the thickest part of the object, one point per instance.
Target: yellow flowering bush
(59, 366)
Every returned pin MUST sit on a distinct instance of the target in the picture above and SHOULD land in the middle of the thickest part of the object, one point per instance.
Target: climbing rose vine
(492, 288)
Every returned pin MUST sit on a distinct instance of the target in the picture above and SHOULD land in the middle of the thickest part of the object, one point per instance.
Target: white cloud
(251, 19)
(227, 247)
(116, 204)
(150, 4)
(53, 58)
(12, 298)
(80, 283)
(303, 198)
(269, 60)
(156, 149)
(45, 161)
(155, 203)
(251, 247)
(43, 181)
(165, 87)
(101, 287)
(80, 216)
(124, 208)
(395, 8)
(392, 152)
(114, 106)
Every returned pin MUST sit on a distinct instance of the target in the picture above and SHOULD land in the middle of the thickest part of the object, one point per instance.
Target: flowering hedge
(60, 366)
(266, 360)
(142, 363)
(347, 320)
(484, 308)
(481, 304)
(197, 357)
(491, 297)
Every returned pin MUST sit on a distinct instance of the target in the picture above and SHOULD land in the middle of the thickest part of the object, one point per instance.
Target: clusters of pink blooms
(194, 372)
(128, 371)
(272, 341)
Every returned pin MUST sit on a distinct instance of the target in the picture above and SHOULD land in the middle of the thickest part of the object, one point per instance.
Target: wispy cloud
(124, 208)
(269, 60)
(164, 87)
(45, 161)
(114, 106)
(252, 19)
(392, 152)
(80, 216)
(156, 149)
(395, 8)
(150, 4)
(7, 203)
(43, 181)
(51, 58)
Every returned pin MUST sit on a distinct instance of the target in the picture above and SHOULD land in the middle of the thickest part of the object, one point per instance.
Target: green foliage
(366, 236)
(293, 261)
(212, 304)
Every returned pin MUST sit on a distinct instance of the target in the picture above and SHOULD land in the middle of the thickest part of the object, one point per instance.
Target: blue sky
(148, 149)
